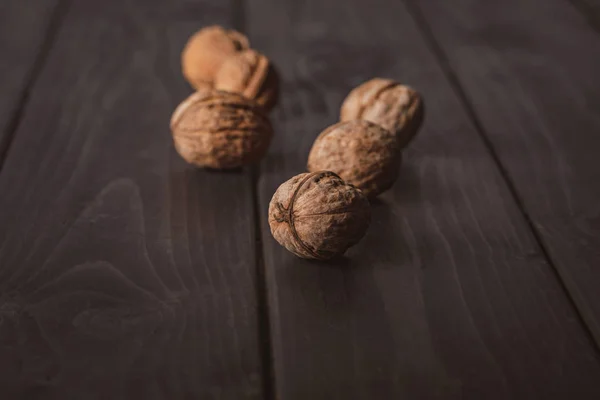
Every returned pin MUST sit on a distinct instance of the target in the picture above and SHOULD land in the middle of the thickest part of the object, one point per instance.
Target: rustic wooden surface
(536, 89)
(590, 10)
(126, 274)
(25, 34)
(443, 298)
(120, 276)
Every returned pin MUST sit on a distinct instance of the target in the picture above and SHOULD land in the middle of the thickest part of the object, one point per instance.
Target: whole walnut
(361, 152)
(318, 216)
(396, 107)
(206, 50)
(220, 130)
(250, 74)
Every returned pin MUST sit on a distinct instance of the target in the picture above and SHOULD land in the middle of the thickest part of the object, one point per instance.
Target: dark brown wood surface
(590, 10)
(530, 70)
(23, 31)
(449, 295)
(124, 273)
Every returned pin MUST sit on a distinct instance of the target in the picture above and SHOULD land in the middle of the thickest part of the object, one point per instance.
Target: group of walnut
(318, 214)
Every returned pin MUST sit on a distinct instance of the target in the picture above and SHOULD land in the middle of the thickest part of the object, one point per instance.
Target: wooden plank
(530, 70)
(22, 33)
(124, 273)
(448, 296)
(590, 10)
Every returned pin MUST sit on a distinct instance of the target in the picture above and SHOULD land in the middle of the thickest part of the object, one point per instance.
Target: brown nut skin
(360, 152)
(318, 216)
(220, 130)
(206, 50)
(396, 107)
(250, 74)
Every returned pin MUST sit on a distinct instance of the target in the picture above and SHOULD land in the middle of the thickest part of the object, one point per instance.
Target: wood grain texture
(124, 273)
(22, 32)
(530, 70)
(448, 296)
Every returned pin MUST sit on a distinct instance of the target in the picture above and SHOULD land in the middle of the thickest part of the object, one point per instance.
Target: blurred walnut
(318, 216)
(220, 130)
(396, 107)
(360, 152)
(250, 74)
(206, 50)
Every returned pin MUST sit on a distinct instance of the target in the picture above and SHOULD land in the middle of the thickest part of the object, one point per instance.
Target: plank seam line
(454, 82)
(588, 12)
(268, 373)
(55, 22)
(239, 22)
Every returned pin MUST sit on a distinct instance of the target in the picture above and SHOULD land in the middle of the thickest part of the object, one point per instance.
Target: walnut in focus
(250, 74)
(206, 50)
(360, 152)
(318, 216)
(220, 130)
(396, 107)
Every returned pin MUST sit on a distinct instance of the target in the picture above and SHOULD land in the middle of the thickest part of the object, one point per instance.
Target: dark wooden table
(126, 274)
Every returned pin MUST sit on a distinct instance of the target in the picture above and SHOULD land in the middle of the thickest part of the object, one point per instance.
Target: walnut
(396, 107)
(361, 152)
(206, 50)
(318, 216)
(220, 130)
(251, 74)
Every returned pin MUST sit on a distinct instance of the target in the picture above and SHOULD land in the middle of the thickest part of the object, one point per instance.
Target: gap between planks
(240, 23)
(56, 19)
(591, 12)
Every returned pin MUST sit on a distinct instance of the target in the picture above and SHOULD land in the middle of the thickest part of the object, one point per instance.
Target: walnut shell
(318, 216)
(360, 152)
(220, 130)
(206, 50)
(250, 74)
(396, 107)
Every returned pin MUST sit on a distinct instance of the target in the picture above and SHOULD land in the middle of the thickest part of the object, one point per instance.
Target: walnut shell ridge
(362, 153)
(318, 216)
(398, 108)
(251, 74)
(206, 50)
(220, 130)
